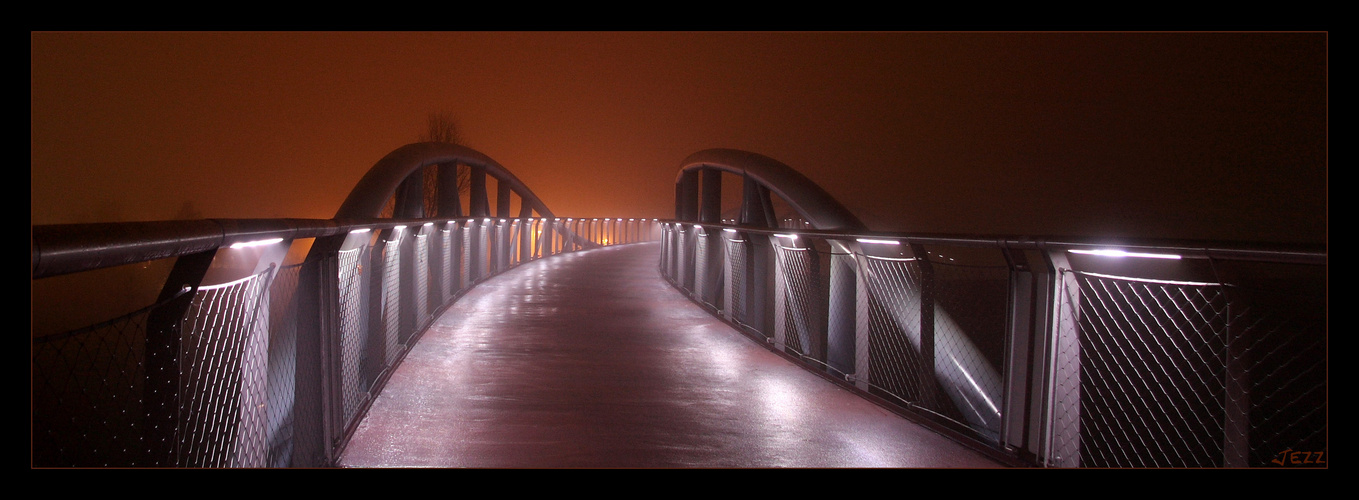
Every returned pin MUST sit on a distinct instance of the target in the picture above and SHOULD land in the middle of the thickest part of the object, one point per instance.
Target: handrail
(1234, 250)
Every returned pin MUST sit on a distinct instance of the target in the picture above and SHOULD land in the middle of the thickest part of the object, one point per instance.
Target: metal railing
(1059, 353)
(271, 366)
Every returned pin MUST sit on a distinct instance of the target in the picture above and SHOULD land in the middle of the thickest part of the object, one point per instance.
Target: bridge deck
(592, 360)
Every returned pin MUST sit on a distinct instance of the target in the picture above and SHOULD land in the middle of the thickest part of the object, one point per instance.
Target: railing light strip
(1108, 252)
(878, 242)
(256, 243)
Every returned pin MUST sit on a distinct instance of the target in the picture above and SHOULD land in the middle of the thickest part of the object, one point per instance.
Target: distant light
(1108, 252)
(878, 242)
(729, 230)
(360, 231)
(789, 236)
(488, 219)
(428, 224)
(256, 243)
(398, 228)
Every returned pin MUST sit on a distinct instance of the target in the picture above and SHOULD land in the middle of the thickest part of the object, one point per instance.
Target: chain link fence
(88, 387)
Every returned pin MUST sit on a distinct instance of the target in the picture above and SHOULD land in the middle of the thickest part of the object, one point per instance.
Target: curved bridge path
(590, 359)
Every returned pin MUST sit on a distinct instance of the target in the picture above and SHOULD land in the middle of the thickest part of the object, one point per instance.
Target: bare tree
(443, 127)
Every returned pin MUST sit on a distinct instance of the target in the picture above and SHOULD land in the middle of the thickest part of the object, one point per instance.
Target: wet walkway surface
(592, 360)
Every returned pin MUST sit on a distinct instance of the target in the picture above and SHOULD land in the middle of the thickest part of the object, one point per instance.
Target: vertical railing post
(929, 393)
(318, 407)
(760, 310)
(1063, 380)
(1027, 317)
(863, 324)
(842, 310)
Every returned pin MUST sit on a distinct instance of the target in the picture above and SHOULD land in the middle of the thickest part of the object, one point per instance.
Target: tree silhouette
(443, 127)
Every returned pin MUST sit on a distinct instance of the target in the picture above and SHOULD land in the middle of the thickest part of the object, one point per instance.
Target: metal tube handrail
(1278, 252)
(59, 249)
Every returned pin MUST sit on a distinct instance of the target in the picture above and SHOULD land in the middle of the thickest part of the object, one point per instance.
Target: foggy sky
(1199, 136)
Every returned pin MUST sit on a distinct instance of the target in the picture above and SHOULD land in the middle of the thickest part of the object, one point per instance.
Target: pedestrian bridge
(418, 328)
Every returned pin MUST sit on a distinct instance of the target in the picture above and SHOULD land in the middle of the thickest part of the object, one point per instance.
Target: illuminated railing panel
(1025, 347)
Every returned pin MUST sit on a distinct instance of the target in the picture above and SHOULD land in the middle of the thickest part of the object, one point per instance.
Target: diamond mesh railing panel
(447, 271)
(282, 364)
(805, 303)
(736, 257)
(497, 247)
(484, 245)
(895, 364)
(970, 313)
(91, 411)
(353, 331)
(685, 264)
(668, 251)
(222, 377)
(701, 274)
(391, 300)
(421, 280)
(1153, 362)
(465, 277)
(1285, 369)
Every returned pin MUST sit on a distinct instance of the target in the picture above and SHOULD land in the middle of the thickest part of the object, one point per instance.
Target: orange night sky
(1201, 136)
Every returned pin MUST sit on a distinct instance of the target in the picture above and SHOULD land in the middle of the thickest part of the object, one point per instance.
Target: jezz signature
(1290, 457)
